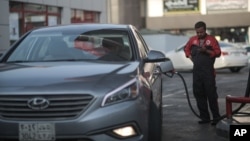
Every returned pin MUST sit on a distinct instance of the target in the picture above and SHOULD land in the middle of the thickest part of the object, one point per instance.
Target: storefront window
(228, 34)
(34, 7)
(15, 6)
(34, 20)
(52, 9)
(90, 16)
(25, 16)
(233, 34)
(81, 16)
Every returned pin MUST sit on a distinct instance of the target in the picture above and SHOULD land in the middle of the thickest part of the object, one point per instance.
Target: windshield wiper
(18, 61)
(58, 60)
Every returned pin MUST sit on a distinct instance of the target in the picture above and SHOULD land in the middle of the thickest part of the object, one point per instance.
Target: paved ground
(179, 122)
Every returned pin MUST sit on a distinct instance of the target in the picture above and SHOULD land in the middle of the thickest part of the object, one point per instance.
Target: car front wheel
(235, 69)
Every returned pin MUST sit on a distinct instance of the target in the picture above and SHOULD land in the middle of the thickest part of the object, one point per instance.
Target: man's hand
(203, 49)
(190, 57)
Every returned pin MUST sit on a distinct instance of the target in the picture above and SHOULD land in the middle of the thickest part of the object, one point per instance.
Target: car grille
(59, 107)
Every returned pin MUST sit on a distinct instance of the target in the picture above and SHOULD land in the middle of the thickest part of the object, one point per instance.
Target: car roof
(227, 44)
(246, 46)
(221, 43)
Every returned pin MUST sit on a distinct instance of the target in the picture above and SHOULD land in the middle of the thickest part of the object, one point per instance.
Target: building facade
(19, 16)
(228, 20)
(127, 12)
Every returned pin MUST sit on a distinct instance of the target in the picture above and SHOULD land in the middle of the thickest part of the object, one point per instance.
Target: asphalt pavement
(180, 122)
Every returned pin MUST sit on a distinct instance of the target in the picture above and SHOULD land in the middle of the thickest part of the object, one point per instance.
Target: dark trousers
(204, 88)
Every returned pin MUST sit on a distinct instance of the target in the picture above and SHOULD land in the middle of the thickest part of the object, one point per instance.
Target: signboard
(14, 26)
(52, 20)
(216, 5)
(181, 5)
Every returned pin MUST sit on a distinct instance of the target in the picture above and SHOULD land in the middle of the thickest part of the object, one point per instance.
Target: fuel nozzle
(167, 68)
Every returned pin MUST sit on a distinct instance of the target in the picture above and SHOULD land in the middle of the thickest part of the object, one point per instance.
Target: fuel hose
(247, 93)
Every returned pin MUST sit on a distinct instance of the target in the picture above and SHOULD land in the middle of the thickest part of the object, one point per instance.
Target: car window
(105, 45)
(223, 45)
(142, 45)
(248, 49)
(22, 53)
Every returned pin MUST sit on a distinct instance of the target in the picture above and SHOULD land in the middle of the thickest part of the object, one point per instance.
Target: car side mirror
(155, 56)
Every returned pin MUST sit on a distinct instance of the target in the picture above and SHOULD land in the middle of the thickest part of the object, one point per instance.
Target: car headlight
(125, 92)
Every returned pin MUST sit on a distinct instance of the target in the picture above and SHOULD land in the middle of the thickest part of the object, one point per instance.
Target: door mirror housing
(155, 56)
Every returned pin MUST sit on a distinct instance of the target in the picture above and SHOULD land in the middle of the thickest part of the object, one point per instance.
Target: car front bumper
(93, 125)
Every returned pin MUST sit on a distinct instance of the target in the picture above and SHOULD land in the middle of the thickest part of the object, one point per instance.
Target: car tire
(235, 69)
(155, 120)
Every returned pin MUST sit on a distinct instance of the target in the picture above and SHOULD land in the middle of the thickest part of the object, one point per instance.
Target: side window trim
(141, 45)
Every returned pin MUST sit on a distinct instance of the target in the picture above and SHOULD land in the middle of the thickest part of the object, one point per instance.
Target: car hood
(64, 77)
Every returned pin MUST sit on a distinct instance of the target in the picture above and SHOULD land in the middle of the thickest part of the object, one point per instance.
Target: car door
(151, 71)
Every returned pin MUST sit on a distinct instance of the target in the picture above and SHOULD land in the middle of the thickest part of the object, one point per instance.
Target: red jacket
(202, 60)
(210, 43)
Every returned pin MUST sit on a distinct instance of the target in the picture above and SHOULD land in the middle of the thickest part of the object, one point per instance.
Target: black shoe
(203, 121)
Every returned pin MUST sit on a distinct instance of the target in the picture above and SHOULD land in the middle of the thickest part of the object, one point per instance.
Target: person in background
(203, 49)
(98, 48)
(92, 51)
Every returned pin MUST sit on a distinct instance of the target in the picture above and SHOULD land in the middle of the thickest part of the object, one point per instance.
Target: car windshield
(108, 45)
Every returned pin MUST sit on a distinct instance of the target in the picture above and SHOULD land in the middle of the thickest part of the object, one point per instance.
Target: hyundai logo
(38, 103)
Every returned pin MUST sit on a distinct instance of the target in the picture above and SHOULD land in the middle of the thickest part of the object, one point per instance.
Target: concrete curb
(223, 126)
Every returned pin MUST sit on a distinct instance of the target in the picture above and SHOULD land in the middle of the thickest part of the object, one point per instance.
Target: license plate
(36, 132)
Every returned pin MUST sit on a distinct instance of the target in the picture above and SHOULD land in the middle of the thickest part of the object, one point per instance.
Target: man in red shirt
(202, 49)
